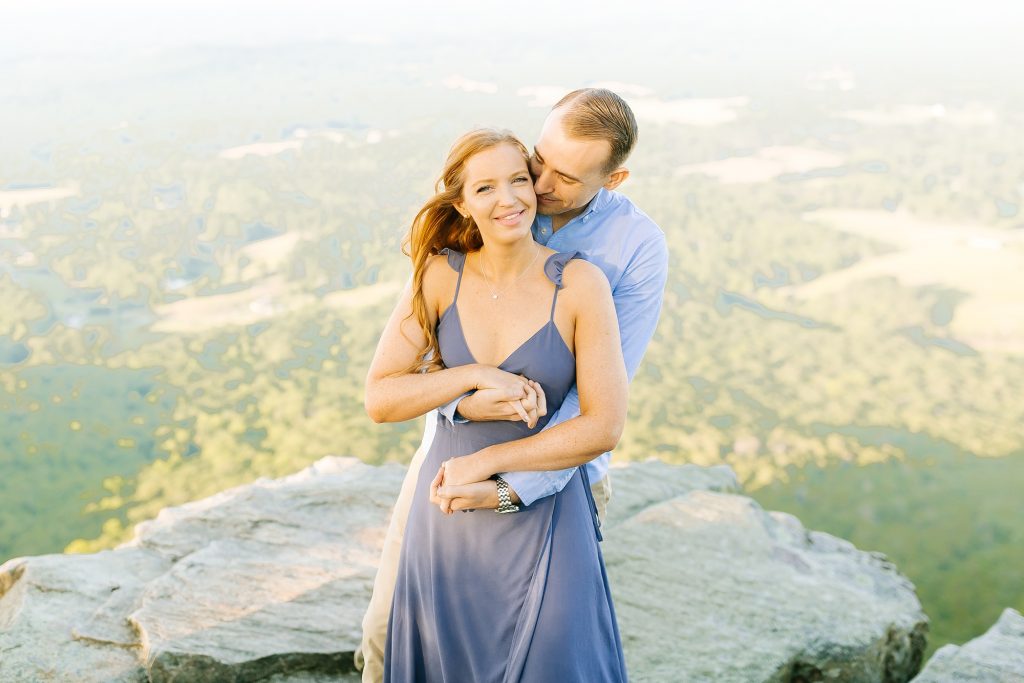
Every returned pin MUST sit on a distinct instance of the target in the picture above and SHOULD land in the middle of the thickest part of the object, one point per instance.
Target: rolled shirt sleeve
(450, 410)
(531, 486)
(638, 298)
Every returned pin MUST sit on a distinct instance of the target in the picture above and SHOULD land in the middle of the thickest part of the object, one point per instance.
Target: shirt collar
(542, 224)
(599, 202)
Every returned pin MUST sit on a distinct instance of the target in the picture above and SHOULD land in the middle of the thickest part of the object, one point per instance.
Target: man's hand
(488, 405)
(457, 473)
(482, 495)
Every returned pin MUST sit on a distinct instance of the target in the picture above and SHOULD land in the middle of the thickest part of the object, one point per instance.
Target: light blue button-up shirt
(620, 239)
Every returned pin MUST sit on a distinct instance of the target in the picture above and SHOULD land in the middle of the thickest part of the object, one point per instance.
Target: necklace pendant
(494, 296)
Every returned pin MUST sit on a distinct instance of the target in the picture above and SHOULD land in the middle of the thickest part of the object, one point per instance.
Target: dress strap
(553, 268)
(457, 261)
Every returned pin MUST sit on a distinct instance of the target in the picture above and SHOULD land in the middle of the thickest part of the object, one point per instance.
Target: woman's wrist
(488, 460)
(472, 378)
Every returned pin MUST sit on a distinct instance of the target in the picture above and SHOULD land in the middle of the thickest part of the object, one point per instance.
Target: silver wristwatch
(504, 499)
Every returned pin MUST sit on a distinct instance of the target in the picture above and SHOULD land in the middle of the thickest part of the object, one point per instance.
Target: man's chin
(550, 209)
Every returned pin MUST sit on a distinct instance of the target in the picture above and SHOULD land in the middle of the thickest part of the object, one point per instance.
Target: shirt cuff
(532, 486)
(450, 410)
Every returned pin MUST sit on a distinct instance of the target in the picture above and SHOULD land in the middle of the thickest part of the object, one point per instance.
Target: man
(577, 164)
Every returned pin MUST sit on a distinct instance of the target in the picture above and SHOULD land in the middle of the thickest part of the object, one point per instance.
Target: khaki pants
(370, 655)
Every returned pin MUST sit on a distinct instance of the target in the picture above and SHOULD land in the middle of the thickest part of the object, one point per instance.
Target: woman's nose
(506, 196)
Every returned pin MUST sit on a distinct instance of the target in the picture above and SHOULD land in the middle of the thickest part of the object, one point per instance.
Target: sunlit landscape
(200, 245)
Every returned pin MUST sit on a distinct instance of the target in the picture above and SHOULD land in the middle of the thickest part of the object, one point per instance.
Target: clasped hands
(501, 395)
(464, 483)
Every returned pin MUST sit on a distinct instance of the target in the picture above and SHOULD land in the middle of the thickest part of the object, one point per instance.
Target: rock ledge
(268, 582)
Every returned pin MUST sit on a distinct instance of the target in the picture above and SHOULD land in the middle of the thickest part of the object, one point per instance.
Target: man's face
(567, 172)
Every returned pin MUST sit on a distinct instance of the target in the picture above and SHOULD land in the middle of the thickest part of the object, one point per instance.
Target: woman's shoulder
(440, 272)
(453, 262)
(556, 262)
(580, 274)
(584, 286)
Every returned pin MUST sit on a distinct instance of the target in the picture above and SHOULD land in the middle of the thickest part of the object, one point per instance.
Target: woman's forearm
(406, 396)
(574, 442)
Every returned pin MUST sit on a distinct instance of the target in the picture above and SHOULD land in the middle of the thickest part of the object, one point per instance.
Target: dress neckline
(553, 267)
(453, 309)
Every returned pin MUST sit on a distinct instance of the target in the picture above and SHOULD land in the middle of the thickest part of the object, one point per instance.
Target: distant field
(983, 263)
(194, 273)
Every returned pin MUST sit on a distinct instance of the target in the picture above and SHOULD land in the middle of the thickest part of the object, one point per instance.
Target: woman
(500, 597)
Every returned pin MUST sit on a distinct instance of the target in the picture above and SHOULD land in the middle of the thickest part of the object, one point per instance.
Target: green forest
(197, 313)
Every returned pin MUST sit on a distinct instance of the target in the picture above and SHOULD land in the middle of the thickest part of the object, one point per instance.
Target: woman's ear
(461, 208)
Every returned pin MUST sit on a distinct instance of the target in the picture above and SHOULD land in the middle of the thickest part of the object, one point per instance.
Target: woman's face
(498, 194)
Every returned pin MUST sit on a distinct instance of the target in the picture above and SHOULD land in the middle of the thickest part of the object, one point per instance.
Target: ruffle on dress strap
(456, 259)
(555, 264)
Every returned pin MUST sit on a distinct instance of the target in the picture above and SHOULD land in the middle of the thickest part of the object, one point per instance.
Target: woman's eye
(520, 179)
(482, 188)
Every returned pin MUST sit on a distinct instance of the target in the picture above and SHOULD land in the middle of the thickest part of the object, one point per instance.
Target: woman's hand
(542, 400)
(488, 405)
(482, 495)
(468, 469)
(490, 377)
(435, 486)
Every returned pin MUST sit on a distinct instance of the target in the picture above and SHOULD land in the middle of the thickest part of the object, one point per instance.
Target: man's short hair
(599, 114)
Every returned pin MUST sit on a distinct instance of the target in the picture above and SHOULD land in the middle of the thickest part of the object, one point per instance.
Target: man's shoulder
(624, 213)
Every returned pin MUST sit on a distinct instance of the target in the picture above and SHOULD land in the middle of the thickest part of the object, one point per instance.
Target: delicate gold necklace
(495, 295)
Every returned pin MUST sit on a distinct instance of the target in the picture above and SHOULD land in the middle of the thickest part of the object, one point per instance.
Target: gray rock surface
(264, 580)
(710, 587)
(268, 581)
(995, 657)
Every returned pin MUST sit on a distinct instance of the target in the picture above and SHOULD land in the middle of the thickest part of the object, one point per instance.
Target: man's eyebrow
(561, 173)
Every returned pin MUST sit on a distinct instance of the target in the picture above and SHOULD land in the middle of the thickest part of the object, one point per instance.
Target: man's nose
(542, 183)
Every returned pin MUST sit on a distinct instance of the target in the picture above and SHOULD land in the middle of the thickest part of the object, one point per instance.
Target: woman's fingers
(494, 378)
(520, 410)
(435, 484)
(531, 411)
(542, 400)
(444, 503)
(532, 406)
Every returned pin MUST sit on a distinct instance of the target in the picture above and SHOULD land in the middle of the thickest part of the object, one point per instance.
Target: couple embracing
(535, 291)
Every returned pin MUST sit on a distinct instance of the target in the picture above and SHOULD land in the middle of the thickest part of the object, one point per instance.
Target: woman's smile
(511, 219)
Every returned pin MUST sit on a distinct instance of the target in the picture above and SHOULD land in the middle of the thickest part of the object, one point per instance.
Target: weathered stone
(268, 582)
(267, 578)
(995, 657)
(710, 587)
(45, 600)
(637, 486)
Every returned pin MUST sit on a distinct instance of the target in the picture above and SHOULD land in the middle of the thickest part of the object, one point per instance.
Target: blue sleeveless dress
(520, 597)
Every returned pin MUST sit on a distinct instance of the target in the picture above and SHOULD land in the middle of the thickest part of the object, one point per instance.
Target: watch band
(504, 499)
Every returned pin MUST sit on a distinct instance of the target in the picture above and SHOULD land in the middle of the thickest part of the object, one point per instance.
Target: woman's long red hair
(438, 225)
